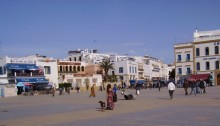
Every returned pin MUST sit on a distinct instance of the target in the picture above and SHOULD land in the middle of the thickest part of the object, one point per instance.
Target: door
(218, 79)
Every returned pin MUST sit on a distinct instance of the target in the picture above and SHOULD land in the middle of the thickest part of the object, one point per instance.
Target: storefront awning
(32, 80)
(21, 66)
(200, 76)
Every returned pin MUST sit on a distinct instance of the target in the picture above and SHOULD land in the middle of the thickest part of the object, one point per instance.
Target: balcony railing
(25, 74)
(178, 60)
(187, 59)
(141, 69)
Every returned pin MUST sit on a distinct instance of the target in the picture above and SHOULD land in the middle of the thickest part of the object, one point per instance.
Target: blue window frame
(187, 57)
(197, 66)
(179, 71)
(120, 69)
(179, 58)
(188, 70)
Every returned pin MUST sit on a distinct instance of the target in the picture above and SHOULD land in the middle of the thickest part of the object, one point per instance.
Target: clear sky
(132, 27)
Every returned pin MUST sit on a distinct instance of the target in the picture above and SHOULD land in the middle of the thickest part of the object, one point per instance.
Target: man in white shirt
(171, 88)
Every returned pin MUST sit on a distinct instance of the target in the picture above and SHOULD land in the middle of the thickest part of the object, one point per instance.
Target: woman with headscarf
(92, 91)
(109, 93)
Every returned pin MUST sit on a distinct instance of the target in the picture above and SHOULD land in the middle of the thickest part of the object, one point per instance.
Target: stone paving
(150, 108)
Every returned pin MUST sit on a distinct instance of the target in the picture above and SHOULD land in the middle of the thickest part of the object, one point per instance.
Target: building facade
(205, 56)
(184, 64)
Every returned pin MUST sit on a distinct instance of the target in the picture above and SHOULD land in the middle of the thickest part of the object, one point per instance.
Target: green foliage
(112, 78)
(172, 74)
(106, 65)
(65, 85)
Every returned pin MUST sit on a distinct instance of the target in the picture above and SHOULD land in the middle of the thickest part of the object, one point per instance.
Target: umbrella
(20, 84)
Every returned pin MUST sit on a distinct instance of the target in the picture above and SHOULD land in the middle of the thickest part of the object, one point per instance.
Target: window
(47, 69)
(67, 68)
(113, 72)
(74, 58)
(74, 68)
(120, 69)
(207, 66)
(187, 57)
(197, 52)
(135, 69)
(178, 58)
(216, 64)
(130, 69)
(179, 71)
(70, 59)
(4, 70)
(206, 51)
(80, 58)
(71, 69)
(216, 50)
(61, 68)
(82, 68)
(197, 66)
(78, 68)
(188, 71)
(1, 70)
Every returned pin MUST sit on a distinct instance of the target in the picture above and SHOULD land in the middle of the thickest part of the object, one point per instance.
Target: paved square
(151, 108)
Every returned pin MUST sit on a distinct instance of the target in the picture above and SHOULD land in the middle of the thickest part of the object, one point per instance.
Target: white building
(49, 67)
(205, 52)
(87, 56)
(74, 72)
(30, 70)
(125, 68)
(183, 60)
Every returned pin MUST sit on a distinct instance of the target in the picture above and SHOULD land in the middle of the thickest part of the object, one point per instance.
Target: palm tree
(106, 65)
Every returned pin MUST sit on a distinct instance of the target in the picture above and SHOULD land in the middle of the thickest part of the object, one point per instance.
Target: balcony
(139, 69)
(187, 60)
(25, 74)
(179, 60)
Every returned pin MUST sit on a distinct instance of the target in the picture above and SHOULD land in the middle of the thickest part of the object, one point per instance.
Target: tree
(112, 78)
(172, 74)
(106, 65)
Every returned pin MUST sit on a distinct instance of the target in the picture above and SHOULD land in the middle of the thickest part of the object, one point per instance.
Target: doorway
(218, 79)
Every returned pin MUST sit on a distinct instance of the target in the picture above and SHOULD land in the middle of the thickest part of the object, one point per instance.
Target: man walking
(171, 88)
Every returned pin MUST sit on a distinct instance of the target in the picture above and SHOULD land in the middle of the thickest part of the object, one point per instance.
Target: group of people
(197, 86)
(111, 95)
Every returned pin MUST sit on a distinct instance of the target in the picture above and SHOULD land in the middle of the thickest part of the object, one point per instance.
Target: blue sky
(132, 27)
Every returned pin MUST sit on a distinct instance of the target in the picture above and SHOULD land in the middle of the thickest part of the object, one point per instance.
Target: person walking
(171, 88)
(115, 97)
(53, 91)
(92, 91)
(193, 87)
(185, 86)
(158, 84)
(109, 94)
(138, 88)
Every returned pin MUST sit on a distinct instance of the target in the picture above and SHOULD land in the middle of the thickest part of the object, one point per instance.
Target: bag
(115, 97)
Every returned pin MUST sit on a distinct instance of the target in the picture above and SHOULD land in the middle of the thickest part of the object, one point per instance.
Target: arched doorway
(218, 79)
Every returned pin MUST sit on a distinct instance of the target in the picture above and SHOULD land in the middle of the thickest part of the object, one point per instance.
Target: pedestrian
(53, 91)
(109, 94)
(92, 91)
(77, 88)
(158, 84)
(171, 88)
(185, 86)
(115, 98)
(138, 87)
(204, 91)
(193, 87)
